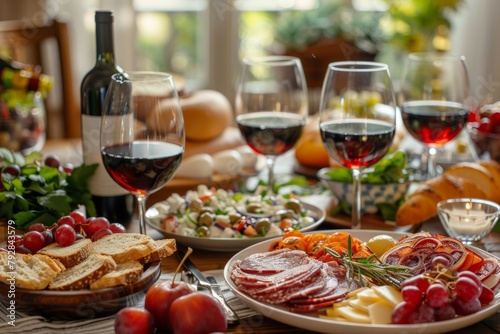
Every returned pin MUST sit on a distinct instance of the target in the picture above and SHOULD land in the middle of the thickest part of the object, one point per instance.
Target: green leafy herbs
(42, 193)
(367, 270)
(390, 169)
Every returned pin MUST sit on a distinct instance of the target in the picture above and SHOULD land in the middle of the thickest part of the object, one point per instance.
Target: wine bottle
(110, 200)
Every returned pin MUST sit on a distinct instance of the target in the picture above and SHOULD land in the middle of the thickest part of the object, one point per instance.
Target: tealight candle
(468, 219)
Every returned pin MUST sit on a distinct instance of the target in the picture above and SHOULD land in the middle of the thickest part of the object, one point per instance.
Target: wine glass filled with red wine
(271, 106)
(142, 133)
(434, 90)
(357, 118)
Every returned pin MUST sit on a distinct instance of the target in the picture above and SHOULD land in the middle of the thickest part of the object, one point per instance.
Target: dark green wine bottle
(111, 200)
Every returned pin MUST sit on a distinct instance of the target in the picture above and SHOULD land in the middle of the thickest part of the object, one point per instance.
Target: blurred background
(204, 40)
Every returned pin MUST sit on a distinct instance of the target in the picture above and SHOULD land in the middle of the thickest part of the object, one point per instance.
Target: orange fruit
(310, 152)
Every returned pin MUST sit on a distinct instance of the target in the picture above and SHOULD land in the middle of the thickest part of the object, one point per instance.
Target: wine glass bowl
(357, 118)
(140, 152)
(271, 106)
(434, 90)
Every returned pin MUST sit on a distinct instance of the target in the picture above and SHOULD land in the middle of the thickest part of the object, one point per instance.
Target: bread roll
(494, 168)
(479, 175)
(420, 207)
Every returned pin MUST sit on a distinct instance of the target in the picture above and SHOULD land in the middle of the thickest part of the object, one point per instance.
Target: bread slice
(83, 274)
(125, 247)
(33, 272)
(476, 173)
(71, 255)
(123, 274)
(446, 186)
(164, 248)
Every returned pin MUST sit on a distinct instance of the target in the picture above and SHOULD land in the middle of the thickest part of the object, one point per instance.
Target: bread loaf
(466, 179)
(479, 175)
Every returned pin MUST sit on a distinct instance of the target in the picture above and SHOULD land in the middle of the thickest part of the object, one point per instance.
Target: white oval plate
(311, 321)
(230, 244)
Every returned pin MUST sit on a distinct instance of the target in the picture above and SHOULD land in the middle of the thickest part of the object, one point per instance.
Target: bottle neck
(104, 43)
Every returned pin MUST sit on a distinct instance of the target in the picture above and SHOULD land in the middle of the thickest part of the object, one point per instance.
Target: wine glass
(357, 118)
(142, 133)
(434, 89)
(271, 106)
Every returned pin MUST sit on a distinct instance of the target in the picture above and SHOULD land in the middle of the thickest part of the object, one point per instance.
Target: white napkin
(28, 323)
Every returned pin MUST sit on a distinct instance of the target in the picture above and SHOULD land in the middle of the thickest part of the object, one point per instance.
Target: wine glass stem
(356, 207)
(270, 179)
(431, 163)
(141, 203)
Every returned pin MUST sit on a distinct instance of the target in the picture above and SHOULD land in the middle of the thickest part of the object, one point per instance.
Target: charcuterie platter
(314, 322)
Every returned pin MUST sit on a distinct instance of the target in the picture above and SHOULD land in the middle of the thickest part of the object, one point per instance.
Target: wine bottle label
(101, 184)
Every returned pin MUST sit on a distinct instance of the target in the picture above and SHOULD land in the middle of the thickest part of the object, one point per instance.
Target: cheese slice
(389, 294)
(380, 313)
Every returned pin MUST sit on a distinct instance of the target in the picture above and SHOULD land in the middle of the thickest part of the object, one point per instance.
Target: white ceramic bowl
(371, 194)
(468, 219)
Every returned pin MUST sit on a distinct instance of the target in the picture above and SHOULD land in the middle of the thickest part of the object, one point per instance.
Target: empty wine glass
(142, 133)
(357, 118)
(434, 89)
(271, 106)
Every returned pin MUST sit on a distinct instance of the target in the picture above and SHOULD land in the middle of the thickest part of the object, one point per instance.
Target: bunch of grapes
(440, 294)
(65, 232)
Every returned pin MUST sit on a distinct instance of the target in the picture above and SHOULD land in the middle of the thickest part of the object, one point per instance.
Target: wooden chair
(30, 44)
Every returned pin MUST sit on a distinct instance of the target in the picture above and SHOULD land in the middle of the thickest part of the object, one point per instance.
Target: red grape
(440, 262)
(97, 224)
(78, 217)
(445, 312)
(23, 250)
(18, 240)
(411, 294)
(65, 235)
(471, 275)
(34, 241)
(68, 168)
(487, 295)
(101, 233)
(466, 289)
(68, 220)
(117, 228)
(423, 313)
(419, 281)
(437, 295)
(48, 237)
(466, 307)
(401, 313)
(37, 227)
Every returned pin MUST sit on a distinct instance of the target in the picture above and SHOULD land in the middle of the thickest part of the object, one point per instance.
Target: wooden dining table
(207, 260)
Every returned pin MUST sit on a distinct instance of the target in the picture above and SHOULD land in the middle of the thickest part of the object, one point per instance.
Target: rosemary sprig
(370, 269)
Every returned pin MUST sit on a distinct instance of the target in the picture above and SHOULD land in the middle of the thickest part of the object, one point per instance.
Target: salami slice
(273, 262)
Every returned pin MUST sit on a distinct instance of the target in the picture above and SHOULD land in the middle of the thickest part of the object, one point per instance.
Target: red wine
(434, 123)
(110, 200)
(271, 133)
(142, 166)
(357, 143)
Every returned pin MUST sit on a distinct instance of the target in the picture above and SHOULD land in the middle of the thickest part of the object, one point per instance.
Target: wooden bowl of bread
(85, 280)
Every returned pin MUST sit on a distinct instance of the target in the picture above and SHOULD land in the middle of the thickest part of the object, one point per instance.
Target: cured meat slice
(273, 262)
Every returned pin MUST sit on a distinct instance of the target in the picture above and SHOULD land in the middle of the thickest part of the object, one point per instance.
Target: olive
(283, 214)
(234, 217)
(205, 219)
(206, 209)
(203, 231)
(293, 205)
(253, 208)
(196, 205)
(263, 225)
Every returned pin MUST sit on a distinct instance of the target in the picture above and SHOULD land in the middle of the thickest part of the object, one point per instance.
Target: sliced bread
(125, 247)
(33, 272)
(124, 274)
(164, 248)
(69, 256)
(83, 274)
(476, 173)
